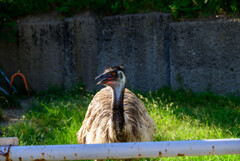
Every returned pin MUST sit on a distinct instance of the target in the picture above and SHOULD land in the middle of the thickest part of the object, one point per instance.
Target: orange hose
(24, 80)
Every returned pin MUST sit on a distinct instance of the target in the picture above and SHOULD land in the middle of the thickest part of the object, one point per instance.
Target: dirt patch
(12, 116)
(16, 114)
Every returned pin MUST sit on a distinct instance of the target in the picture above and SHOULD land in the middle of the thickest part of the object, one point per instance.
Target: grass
(56, 116)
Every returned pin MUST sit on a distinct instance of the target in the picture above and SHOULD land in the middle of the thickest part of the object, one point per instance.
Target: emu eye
(113, 73)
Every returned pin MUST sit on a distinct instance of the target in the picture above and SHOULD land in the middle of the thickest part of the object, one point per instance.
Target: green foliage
(195, 8)
(10, 10)
(56, 115)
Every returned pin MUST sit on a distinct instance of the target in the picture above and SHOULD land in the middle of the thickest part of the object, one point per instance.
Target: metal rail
(121, 150)
(24, 80)
(5, 77)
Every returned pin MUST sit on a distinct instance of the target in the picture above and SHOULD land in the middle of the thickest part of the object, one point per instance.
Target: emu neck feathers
(118, 110)
(118, 95)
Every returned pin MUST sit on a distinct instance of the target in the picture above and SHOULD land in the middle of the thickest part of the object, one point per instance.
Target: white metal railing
(121, 150)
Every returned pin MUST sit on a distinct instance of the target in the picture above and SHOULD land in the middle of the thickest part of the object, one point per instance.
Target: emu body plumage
(97, 126)
(116, 115)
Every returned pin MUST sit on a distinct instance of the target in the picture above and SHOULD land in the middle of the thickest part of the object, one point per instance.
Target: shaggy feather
(97, 126)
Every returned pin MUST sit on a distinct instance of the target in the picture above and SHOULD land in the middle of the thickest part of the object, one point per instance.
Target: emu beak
(100, 78)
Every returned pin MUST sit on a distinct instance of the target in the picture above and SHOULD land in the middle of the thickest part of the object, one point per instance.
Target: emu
(115, 114)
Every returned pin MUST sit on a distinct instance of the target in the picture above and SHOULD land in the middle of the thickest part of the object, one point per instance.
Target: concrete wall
(155, 51)
(41, 54)
(137, 41)
(52, 51)
(206, 56)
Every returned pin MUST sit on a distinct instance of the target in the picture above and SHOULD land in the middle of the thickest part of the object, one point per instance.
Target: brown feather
(97, 125)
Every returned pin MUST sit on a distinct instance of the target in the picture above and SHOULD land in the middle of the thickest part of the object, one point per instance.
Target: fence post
(9, 141)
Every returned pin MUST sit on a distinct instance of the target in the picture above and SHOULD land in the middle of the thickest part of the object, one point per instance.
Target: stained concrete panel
(138, 42)
(205, 56)
(155, 51)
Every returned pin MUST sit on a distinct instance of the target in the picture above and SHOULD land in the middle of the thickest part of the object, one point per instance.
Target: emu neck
(118, 110)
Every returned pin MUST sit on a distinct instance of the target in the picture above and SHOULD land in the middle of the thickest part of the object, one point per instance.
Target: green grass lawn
(55, 116)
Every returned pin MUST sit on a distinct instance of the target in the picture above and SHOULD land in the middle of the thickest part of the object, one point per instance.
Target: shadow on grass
(210, 109)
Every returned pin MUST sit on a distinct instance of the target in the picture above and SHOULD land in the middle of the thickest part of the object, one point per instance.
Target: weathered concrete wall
(66, 51)
(206, 56)
(155, 51)
(42, 54)
(139, 42)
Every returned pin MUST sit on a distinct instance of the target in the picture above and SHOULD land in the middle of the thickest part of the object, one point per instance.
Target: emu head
(113, 77)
